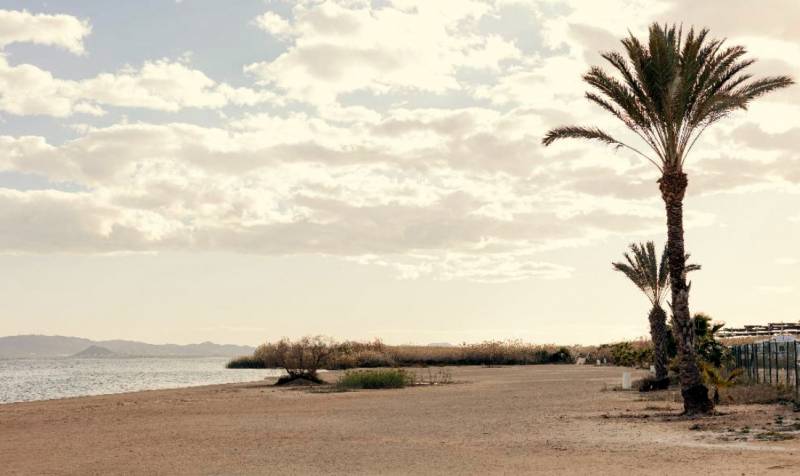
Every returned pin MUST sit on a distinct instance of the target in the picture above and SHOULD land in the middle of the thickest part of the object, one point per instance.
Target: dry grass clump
(375, 379)
(428, 377)
(755, 393)
(740, 394)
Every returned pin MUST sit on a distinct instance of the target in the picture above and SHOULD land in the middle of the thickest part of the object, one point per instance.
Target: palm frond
(646, 271)
(668, 90)
(574, 132)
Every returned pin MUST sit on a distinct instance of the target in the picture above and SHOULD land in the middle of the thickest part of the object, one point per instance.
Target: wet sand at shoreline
(546, 419)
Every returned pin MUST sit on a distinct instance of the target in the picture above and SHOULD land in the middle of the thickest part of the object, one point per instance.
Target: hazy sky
(244, 170)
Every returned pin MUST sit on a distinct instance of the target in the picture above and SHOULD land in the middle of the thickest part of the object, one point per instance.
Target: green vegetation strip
(375, 379)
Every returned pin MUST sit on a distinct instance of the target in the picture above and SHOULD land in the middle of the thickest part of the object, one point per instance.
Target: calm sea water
(43, 379)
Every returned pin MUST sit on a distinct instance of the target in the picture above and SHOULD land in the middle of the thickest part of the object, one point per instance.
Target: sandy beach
(512, 420)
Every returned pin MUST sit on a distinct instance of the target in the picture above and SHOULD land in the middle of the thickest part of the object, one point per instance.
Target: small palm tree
(651, 276)
(668, 91)
(719, 377)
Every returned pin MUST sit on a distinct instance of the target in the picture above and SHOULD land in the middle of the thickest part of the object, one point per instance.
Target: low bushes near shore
(301, 359)
(392, 378)
(375, 379)
(350, 354)
(245, 362)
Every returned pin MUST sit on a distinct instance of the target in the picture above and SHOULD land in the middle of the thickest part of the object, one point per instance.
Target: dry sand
(512, 420)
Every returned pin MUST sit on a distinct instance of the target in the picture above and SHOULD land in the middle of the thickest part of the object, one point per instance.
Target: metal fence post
(768, 357)
(788, 381)
(754, 363)
(796, 376)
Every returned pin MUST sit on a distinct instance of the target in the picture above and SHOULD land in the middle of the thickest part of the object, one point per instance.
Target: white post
(626, 380)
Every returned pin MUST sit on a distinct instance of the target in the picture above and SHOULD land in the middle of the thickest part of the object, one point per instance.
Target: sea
(23, 380)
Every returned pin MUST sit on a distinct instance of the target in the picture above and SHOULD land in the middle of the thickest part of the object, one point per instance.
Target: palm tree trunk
(695, 394)
(658, 334)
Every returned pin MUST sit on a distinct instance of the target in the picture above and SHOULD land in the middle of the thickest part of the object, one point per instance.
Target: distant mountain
(95, 352)
(60, 346)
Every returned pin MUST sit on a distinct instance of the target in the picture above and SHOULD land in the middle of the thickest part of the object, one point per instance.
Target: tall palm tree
(651, 276)
(668, 91)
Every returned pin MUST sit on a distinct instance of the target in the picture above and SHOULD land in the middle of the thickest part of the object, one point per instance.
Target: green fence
(774, 363)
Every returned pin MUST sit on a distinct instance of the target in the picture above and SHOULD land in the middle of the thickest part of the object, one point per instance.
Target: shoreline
(132, 392)
(52, 379)
(519, 419)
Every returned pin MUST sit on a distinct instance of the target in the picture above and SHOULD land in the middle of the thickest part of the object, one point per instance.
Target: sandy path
(513, 420)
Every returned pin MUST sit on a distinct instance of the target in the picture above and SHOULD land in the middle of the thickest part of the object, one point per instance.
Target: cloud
(63, 31)
(297, 185)
(160, 85)
(274, 24)
(406, 135)
(28, 90)
(166, 86)
(486, 268)
(51, 221)
(340, 47)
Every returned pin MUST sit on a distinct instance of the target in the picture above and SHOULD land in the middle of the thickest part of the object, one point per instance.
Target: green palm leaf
(668, 91)
(646, 271)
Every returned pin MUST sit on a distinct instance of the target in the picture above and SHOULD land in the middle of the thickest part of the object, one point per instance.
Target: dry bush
(301, 358)
(484, 353)
(373, 358)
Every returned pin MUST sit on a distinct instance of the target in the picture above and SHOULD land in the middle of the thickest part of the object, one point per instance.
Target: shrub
(374, 358)
(629, 354)
(485, 353)
(717, 378)
(709, 349)
(301, 358)
(561, 356)
(651, 384)
(375, 379)
(245, 362)
(294, 356)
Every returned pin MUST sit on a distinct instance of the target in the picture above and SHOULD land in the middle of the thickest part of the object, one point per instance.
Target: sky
(192, 170)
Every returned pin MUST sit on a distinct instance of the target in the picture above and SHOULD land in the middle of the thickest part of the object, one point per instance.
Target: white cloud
(158, 85)
(28, 90)
(442, 176)
(166, 86)
(274, 24)
(63, 31)
(50, 221)
(341, 47)
(296, 184)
